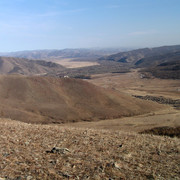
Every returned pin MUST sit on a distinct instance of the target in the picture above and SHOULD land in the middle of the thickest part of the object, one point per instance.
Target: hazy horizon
(60, 24)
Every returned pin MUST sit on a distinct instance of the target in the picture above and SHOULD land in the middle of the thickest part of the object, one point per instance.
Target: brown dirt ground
(92, 154)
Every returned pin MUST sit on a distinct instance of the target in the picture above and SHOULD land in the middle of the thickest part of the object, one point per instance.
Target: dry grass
(167, 117)
(94, 154)
(62, 100)
(132, 83)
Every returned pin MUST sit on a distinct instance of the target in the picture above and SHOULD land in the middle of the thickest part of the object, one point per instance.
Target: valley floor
(168, 117)
(133, 84)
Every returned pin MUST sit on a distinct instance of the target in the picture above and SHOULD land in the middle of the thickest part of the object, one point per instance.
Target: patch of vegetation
(163, 131)
(82, 77)
(161, 100)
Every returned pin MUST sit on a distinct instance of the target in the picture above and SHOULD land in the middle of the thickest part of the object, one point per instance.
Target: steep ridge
(9, 65)
(61, 100)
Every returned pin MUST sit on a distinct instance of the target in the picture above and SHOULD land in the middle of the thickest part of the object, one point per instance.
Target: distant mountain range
(161, 62)
(64, 53)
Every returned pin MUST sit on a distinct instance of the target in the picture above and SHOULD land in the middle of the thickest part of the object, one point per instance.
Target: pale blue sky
(57, 24)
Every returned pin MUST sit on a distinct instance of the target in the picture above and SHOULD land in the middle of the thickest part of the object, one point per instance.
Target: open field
(69, 63)
(53, 152)
(132, 83)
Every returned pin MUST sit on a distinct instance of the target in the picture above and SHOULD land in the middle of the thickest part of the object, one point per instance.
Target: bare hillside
(10, 65)
(60, 100)
(135, 55)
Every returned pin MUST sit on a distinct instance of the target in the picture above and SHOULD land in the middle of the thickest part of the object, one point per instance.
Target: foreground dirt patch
(52, 152)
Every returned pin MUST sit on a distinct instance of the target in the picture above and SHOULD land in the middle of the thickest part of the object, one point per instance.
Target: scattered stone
(26, 143)
(52, 161)
(5, 155)
(116, 165)
(29, 178)
(120, 145)
(2, 178)
(59, 150)
(150, 177)
(65, 175)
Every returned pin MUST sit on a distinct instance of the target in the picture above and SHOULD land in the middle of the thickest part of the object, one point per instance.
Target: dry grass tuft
(87, 154)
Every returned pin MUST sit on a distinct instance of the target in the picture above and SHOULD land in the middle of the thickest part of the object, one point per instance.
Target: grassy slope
(93, 154)
(47, 100)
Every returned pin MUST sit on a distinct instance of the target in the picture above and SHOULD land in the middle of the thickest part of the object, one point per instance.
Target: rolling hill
(165, 66)
(157, 60)
(133, 56)
(161, 62)
(166, 70)
(9, 65)
(61, 100)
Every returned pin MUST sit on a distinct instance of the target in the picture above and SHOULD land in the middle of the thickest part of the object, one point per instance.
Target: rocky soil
(52, 152)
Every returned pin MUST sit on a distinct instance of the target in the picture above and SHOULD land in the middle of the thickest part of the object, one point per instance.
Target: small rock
(29, 178)
(5, 155)
(58, 150)
(26, 143)
(66, 175)
(117, 165)
(2, 178)
(120, 145)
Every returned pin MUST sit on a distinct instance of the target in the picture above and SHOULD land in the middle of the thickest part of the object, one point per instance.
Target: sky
(59, 24)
